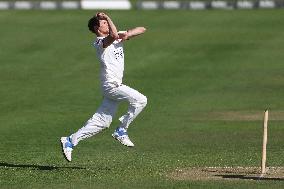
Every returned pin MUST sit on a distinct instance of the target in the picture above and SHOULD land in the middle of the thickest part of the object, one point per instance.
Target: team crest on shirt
(118, 52)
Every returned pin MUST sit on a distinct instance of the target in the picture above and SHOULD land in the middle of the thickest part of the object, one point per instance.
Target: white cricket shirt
(112, 61)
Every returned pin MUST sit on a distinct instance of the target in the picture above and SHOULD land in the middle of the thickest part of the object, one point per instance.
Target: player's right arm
(113, 35)
(132, 33)
(135, 32)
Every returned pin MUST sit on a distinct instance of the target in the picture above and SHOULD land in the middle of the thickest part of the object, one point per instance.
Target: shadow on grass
(39, 167)
(244, 177)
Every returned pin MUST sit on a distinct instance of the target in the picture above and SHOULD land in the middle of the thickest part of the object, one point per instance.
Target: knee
(143, 101)
(107, 121)
(139, 102)
(102, 121)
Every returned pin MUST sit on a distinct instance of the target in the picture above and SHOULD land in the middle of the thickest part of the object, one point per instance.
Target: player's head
(98, 26)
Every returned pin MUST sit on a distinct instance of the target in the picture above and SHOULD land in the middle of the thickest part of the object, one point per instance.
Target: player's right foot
(67, 147)
(120, 134)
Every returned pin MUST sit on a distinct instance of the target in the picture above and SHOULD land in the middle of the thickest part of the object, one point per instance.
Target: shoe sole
(62, 149)
(120, 142)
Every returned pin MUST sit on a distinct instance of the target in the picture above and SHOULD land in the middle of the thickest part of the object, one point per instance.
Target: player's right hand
(102, 16)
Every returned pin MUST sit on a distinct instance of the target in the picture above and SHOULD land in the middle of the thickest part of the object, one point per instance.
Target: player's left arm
(132, 33)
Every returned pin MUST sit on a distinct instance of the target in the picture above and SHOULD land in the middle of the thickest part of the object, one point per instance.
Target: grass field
(208, 76)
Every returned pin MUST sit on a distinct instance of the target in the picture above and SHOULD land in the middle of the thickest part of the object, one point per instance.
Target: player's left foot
(120, 134)
(67, 148)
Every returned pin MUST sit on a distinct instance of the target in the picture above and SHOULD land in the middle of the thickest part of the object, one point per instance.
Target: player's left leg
(98, 122)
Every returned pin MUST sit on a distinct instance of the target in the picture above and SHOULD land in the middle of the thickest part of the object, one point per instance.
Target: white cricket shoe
(67, 147)
(120, 134)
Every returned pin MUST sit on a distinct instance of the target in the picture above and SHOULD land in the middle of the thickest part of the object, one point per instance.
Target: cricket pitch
(227, 173)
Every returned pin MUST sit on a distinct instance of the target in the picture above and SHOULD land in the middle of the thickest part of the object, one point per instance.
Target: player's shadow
(244, 177)
(39, 167)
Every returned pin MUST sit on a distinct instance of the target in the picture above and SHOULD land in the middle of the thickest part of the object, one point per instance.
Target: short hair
(94, 21)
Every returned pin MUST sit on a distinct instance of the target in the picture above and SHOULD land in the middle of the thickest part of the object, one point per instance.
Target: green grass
(188, 64)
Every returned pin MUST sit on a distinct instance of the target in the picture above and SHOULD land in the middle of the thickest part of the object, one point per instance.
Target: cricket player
(109, 48)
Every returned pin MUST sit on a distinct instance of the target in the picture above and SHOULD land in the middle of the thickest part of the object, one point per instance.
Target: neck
(103, 35)
(99, 34)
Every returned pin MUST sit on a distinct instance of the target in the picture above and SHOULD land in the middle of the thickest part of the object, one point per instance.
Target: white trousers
(113, 94)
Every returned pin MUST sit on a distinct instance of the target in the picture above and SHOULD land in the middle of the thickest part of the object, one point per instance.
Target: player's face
(104, 27)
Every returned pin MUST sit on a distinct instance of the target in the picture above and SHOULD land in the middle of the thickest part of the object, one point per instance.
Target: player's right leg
(137, 103)
(98, 122)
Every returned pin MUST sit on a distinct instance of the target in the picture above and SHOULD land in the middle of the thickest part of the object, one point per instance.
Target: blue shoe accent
(69, 143)
(120, 131)
(120, 134)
